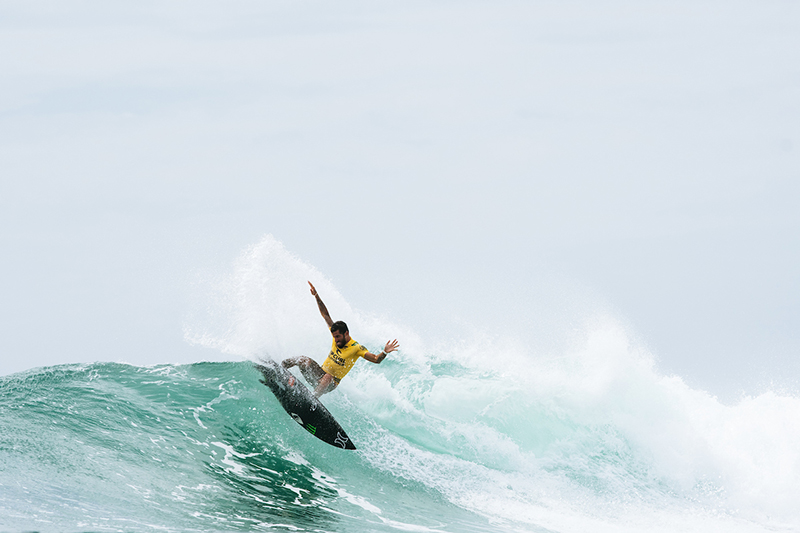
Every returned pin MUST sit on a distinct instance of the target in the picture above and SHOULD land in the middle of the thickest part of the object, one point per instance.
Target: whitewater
(481, 434)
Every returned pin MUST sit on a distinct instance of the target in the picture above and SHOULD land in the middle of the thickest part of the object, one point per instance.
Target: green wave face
(108, 447)
(441, 447)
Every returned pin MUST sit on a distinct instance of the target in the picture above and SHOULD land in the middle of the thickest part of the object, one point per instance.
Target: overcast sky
(513, 166)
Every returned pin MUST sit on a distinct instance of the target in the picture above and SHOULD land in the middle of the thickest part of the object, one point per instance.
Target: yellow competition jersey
(341, 360)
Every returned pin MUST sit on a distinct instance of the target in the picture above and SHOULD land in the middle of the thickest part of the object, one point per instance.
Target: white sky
(517, 164)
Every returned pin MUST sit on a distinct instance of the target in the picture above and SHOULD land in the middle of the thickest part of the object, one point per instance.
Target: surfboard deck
(301, 404)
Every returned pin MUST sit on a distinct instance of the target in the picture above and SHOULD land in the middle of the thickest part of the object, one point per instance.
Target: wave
(484, 434)
(196, 447)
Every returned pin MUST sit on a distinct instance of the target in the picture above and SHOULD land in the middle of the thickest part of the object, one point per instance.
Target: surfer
(343, 355)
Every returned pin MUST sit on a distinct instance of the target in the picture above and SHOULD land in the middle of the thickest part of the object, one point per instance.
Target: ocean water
(485, 435)
(114, 447)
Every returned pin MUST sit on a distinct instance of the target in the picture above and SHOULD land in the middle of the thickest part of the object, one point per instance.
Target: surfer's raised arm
(343, 355)
(322, 309)
(377, 358)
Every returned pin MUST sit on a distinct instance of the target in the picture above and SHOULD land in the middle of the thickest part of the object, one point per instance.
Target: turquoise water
(206, 447)
(485, 434)
(108, 447)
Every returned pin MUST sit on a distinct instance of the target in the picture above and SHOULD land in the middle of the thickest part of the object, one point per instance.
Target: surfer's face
(340, 338)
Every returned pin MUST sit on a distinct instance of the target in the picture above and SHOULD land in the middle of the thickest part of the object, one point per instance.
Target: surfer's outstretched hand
(391, 346)
(313, 290)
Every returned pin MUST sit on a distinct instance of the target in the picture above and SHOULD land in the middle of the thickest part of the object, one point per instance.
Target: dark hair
(339, 326)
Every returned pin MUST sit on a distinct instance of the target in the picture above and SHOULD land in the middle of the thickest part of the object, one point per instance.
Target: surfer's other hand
(313, 290)
(391, 346)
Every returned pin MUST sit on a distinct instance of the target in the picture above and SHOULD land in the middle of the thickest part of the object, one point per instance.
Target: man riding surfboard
(343, 355)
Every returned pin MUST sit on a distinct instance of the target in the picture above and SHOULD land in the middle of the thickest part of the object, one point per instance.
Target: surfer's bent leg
(311, 371)
(289, 362)
(325, 385)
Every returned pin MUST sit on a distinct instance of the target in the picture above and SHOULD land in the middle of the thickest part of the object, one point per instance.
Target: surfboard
(303, 406)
